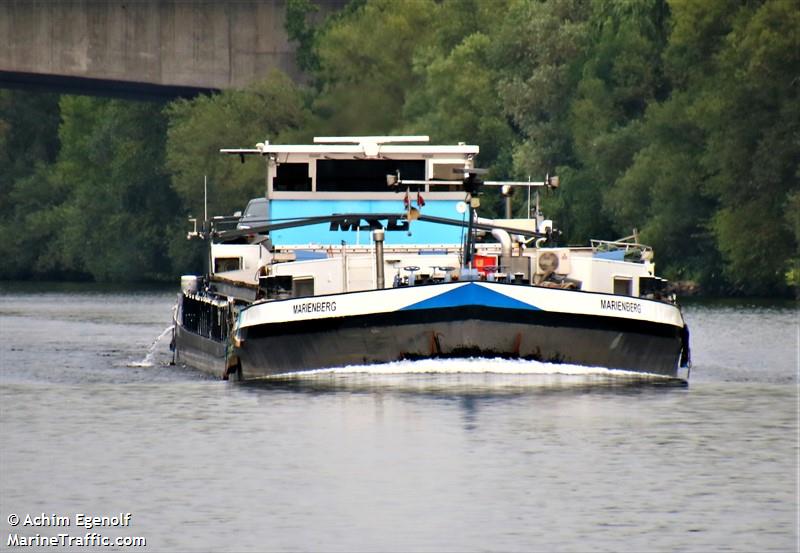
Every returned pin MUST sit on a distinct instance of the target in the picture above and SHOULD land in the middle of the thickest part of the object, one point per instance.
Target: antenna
(207, 227)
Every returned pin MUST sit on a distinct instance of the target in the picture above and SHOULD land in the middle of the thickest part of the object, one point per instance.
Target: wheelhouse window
(292, 177)
(446, 171)
(358, 175)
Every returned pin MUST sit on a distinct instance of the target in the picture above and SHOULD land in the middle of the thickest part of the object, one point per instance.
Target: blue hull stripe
(471, 294)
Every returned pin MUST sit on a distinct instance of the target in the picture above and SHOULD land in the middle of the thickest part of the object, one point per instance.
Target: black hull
(457, 333)
(200, 352)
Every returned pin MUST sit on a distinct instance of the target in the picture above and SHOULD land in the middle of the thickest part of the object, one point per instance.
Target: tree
(457, 97)
(302, 32)
(543, 46)
(676, 117)
(621, 76)
(272, 110)
(366, 69)
(751, 114)
(119, 202)
(662, 194)
(28, 145)
(718, 167)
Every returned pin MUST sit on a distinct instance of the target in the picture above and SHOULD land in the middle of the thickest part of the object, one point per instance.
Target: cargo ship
(371, 249)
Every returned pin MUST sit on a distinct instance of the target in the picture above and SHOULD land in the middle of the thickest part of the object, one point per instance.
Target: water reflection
(456, 382)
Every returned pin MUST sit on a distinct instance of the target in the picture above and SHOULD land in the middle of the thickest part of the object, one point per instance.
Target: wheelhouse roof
(360, 146)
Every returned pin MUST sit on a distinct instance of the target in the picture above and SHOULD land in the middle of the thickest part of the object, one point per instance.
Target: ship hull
(200, 352)
(361, 341)
(457, 321)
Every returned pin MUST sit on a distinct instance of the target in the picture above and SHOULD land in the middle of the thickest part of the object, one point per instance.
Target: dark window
(622, 286)
(292, 177)
(303, 286)
(222, 264)
(355, 175)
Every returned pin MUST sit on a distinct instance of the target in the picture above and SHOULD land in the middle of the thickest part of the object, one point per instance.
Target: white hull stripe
(437, 296)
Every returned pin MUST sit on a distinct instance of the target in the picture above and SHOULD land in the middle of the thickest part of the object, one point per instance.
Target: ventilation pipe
(505, 241)
(500, 235)
(377, 236)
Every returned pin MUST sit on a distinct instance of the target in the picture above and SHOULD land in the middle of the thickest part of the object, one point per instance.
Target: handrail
(618, 244)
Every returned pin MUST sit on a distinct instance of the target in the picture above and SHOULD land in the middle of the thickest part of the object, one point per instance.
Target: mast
(472, 186)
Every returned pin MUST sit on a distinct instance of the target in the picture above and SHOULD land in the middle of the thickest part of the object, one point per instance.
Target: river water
(94, 422)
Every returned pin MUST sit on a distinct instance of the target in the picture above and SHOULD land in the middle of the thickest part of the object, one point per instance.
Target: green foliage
(98, 209)
(719, 163)
(457, 100)
(272, 109)
(542, 46)
(28, 144)
(301, 31)
(621, 76)
(416, 67)
(793, 224)
(366, 64)
(28, 133)
(661, 192)
(678, 118)
(752, 119)
(120, 200)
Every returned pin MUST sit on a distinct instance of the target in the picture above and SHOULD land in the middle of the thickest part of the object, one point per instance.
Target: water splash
(151, 351)
(466, 376)
(473, 365)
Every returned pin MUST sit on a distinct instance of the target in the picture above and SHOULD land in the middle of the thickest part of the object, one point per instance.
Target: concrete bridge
(144, 47)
